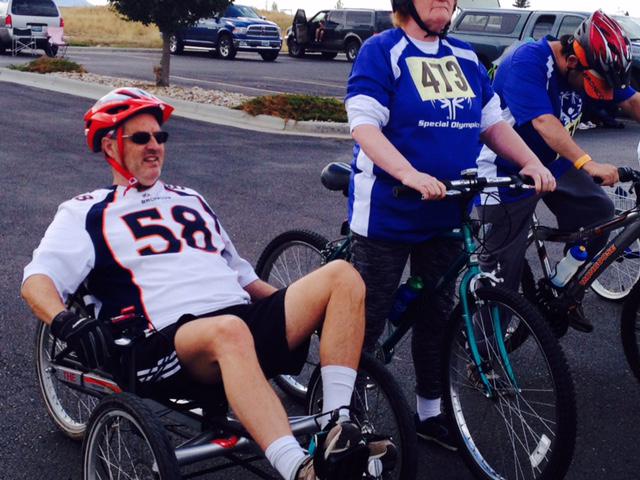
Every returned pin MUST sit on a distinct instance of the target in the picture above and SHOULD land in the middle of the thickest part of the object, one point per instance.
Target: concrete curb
(191, 110)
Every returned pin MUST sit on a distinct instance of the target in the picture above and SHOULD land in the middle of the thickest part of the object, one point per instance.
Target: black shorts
(160, 373)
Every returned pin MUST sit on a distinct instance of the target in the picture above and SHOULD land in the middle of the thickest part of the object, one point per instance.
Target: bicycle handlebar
(469, 185)
(628, 174)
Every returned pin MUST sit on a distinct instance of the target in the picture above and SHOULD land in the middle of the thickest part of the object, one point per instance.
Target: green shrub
(48, 65)
(297, 107)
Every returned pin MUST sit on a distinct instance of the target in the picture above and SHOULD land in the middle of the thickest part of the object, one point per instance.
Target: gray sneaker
(383, 455)
(339, 451)
(306, 470)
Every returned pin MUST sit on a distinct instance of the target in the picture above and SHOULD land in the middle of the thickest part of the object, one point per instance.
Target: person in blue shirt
(419, 104)
(542, 87)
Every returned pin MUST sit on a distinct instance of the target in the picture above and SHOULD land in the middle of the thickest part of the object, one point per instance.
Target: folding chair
(22, 39)
(57, 43)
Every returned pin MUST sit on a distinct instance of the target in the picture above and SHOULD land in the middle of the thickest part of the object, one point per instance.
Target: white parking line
(334, 85)
(225, 84)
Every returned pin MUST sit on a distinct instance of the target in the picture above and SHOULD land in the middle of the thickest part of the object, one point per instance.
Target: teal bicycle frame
(467, 262)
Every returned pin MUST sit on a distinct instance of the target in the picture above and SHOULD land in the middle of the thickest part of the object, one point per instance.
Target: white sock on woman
(427, 407)
(337, 388)
(285, 455)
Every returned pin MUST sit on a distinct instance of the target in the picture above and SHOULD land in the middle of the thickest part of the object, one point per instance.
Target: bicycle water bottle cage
(335, 177)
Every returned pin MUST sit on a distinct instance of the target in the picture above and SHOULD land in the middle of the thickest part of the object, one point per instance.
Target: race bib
(439, 78)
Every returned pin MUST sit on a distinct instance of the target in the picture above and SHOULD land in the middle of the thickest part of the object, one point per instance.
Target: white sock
(285, 455)
(427, 407)
(337, 388)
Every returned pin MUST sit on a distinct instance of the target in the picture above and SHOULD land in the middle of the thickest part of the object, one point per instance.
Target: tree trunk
(162, 76)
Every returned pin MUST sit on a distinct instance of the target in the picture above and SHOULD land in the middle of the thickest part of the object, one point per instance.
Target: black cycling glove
(86, 336)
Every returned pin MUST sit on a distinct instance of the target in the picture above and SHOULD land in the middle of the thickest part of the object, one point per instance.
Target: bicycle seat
(335, 177)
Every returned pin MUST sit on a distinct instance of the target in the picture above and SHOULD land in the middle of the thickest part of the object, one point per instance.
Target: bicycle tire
(374, 386)
(527, 429)
(126, 422)
(617, 280)
(630, 330)
(70, 409)
(273, 267)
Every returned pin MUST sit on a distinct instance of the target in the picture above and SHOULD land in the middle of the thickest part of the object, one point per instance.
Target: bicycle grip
(403, 191)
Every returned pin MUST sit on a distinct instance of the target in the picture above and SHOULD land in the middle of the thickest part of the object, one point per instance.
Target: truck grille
(263, 31)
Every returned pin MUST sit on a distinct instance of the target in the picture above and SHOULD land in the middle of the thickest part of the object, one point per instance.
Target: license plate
(265, 43)
(36, 29)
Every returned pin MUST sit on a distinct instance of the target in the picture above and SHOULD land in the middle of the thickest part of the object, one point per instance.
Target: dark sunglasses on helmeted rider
(142, 138)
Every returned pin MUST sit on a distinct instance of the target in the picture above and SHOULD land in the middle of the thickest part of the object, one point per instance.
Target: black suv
(332, 31)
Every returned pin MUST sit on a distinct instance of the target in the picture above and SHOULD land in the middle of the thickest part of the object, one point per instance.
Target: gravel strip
(193, 94)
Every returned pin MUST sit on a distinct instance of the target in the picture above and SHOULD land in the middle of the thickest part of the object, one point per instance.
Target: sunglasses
(142, 138)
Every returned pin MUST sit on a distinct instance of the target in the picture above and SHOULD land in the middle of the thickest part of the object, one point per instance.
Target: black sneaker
(579, 321)
(436, 429)
(339, 451)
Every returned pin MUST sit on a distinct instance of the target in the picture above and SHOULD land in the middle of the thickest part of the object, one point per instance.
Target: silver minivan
(34, 14)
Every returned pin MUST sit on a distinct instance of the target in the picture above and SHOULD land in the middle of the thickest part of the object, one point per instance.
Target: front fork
(471, 281)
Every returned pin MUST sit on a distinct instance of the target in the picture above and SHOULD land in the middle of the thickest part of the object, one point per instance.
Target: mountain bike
(614, 269)
(513, 409)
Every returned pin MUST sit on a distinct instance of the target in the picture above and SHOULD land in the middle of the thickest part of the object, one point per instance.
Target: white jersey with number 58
(161, 250)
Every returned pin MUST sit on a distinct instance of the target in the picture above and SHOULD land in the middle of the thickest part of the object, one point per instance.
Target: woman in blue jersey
(419, 105)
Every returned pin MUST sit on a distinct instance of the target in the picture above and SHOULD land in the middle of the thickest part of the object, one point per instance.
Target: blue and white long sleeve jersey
(161, 250)
(431, 100)
(530, 85)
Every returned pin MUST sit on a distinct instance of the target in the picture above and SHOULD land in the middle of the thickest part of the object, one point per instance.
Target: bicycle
(490, 388)
(622, 252)
(126, 436)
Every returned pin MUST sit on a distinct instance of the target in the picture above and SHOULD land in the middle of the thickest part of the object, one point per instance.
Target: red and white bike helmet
(112, 110)
(604, 50)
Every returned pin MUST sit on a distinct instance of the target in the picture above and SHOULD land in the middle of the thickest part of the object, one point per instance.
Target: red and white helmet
(604, 50)
(116, 107)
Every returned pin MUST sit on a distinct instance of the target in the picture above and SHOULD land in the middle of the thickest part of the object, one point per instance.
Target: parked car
(238, 29)
(37, 15)
(332, 31)
(631, 26)
(491, 31)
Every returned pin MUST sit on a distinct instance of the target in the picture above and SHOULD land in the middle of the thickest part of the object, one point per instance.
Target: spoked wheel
(524, 425)
(379, 408)
(70, 409)
(125, 440)
(616, 281)
(630, 330)
(288, 257)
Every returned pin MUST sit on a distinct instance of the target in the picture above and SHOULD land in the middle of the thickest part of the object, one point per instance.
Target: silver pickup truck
(491, 31)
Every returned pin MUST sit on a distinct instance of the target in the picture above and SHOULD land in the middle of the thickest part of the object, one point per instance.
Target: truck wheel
(269, 55)
(225, 48)
(176, 47)
(295, 50)
(352, 49)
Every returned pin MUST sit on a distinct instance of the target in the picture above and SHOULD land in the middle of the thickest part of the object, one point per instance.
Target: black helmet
(407, 6)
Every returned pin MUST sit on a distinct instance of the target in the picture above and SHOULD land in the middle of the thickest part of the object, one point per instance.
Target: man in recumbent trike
(161, 249)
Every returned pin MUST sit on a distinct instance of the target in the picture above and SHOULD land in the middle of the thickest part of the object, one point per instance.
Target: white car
(37, 15)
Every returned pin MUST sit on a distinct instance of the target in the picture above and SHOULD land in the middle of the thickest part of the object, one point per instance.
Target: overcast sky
(312, 6)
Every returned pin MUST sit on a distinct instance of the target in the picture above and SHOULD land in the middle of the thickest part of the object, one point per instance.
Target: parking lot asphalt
(260, 185)
(247, 73)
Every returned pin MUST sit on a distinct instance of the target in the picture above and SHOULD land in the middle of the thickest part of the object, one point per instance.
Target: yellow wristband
(582, 161)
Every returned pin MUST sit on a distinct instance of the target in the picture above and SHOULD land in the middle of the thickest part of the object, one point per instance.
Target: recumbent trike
(127, 436)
